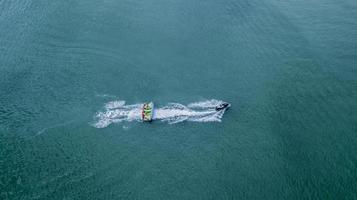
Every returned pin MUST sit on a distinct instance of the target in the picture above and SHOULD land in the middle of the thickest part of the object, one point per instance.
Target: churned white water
(118, 111)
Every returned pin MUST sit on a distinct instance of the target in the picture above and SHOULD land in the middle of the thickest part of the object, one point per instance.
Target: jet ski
(147, 112)
(222, 106)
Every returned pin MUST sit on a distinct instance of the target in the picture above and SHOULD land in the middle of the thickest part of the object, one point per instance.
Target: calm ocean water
(289, 69)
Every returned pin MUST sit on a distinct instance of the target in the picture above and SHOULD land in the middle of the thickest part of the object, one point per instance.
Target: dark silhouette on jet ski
(222, 106)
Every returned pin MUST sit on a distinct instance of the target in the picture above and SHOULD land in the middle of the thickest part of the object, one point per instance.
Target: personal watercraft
(222, 106)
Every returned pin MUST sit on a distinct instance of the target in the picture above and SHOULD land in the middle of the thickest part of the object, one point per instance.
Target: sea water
(288, 68)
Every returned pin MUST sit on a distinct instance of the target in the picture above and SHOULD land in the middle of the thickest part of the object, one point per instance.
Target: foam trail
(117, 111)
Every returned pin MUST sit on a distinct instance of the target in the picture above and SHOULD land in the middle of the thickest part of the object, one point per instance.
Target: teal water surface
(289, 69)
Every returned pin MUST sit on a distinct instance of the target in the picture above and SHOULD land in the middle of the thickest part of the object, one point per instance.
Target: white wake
(118, 111)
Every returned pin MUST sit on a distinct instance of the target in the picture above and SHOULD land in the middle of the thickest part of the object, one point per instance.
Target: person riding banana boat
(147, 112)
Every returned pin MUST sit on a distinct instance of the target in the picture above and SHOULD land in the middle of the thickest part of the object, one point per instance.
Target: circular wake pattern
(118, 111)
